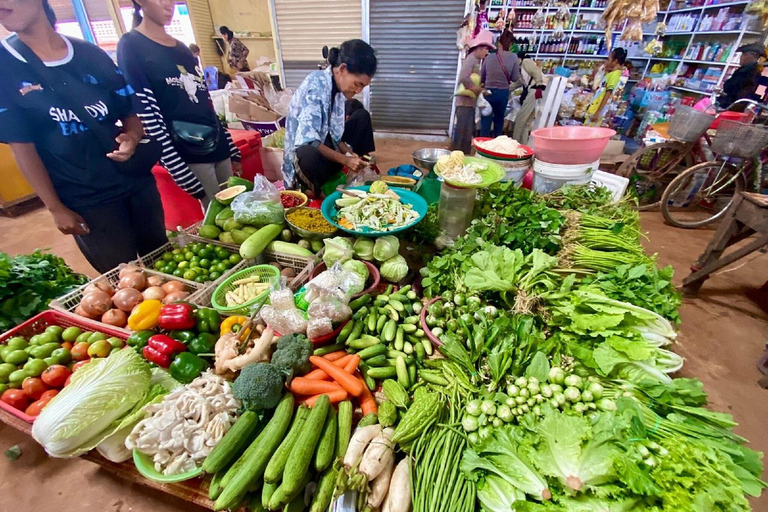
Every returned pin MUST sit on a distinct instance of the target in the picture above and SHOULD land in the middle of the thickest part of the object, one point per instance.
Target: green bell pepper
(208, 320)
(139, 339)
(186, 367)
(204, 343)
(183, 336)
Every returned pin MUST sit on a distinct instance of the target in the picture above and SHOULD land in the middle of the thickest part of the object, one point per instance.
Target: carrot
(336, 396)
(352, 364)
(335, 356)
(345, 380)
(367, 402)
(318, 374)
(305, 386)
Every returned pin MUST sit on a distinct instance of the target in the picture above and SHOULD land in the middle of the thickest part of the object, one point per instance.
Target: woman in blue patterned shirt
(315, 149)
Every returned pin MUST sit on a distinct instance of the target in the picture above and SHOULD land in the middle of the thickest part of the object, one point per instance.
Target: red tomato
(67, 345)
(49, 394)
(15, 398)
(80, 351)
(77, 366)
(34, 387)
(56, 375)
(35, 408)
(66, 383)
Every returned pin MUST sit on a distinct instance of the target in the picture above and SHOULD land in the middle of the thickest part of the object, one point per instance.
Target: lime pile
(197, 262)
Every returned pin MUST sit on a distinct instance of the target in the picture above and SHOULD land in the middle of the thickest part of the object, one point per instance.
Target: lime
(172, 265)
(159, 264)
(205, 263)
(221, 253)
(55, 329)
(178, 257)
(214, 275)
(200, 279)
(183, 264)
(189, 255)
(190, 275)
(235, 258)
(167, 256)
(178, 272)
(195, 259)
(206, 253)
(176, 251)
(35, 367)
(215, 261)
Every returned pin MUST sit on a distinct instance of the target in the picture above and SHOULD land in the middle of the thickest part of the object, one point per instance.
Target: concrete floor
(722, 335)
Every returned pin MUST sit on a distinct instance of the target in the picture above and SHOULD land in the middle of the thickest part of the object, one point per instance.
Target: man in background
(744, 80)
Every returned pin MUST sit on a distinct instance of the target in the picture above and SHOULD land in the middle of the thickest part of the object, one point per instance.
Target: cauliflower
(259, 386)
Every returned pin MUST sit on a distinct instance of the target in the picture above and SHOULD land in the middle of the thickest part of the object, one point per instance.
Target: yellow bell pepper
(145, 315)
(229, 322)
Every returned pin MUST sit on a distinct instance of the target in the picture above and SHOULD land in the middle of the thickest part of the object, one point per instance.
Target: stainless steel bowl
(426, 158)
(303, 233)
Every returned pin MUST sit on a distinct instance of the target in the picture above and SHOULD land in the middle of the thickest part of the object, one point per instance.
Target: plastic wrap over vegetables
(282, 314)
(259, 207)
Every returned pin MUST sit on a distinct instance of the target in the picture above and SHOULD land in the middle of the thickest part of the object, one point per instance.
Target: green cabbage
(94, 403)
(394, 269)
(337, 249)
(364, 249)
(386, 247)
(358, 267)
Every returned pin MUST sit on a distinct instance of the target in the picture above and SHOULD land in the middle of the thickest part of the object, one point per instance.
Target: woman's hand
(355, 163)
(594, 117)
(128, 143)
(69, 222)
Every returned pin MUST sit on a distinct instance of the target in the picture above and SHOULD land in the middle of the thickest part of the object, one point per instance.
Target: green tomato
(35, 340)
(83, 338)
(6, 369)
(16, 378)
(17, 343)
(44, 351)
(55, 329)
(97, 336)
(17, 357)
(4, 351)
(48, 337)
(50, 361)
(116, 342)
(35, 367)
(62, 355)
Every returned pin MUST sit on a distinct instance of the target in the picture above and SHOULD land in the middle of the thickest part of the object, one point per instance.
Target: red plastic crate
(249, 144)
(36, 325)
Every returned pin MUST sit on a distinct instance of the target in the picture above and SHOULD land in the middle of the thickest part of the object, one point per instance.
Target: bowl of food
(501, 148)
(309, 223)
(426, 158)
(293, 198)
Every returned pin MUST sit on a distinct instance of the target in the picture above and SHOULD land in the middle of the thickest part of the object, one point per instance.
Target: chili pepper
(177, 317)
(228, 324)
(204, 343)
(145, 315)
(186, 367)
(166, 345)
(154, 356)
(208, 320)
(139, 339)
(183, 336)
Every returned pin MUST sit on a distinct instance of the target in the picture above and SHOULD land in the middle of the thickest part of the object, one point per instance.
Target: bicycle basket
(739, 139)
(688, 124)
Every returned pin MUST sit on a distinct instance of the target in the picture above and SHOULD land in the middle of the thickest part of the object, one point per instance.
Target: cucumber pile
(385, 333)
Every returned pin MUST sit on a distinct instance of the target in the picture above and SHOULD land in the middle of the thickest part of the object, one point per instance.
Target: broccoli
(259, 386)
(292, 354)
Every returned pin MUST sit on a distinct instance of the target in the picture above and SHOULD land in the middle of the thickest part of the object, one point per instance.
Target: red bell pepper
(166, 345)
(177, 317)
(154, 356)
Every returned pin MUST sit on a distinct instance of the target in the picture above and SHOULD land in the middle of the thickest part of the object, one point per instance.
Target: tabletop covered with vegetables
(527, 366)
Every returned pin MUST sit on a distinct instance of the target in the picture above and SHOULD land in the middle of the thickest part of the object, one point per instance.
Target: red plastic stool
(181, 209)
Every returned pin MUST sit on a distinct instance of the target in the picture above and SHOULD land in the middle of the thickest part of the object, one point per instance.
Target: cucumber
(321, 500)
(363, 342)
(411, 320)
(360, 313)
(419, 333)
(360, 302)
(289, 249)
(266, 493)
(399, 338)
(344, 427)
(408, 348)
(257, 242)
(369, 381)
(373, 351)
(325, 448)
(397, 305)
(404, 290)
(372, 318)
(357, 330)
(394, 354)
(382, 372)
(328, 349)
(281, 497)
(408, 308)
(297, 504)
(409, 328)
(380, 323)
(420, 354)
(432, 377)
(215, 488)
(397, 296)
(427, 346)
(402, 372)
(389, 331)
(392, 312)
(369, 419)
(274, 471)
(232, 443)
(412, 373)
(417, 307)
(214, 208)
(256, 457)
(254, 505)
(345, 331)
(297, 466)
(379, 360)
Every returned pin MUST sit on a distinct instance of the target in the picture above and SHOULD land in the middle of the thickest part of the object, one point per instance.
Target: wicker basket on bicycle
(688, 124)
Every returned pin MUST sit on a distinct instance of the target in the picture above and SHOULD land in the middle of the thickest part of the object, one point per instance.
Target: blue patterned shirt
(308, 118)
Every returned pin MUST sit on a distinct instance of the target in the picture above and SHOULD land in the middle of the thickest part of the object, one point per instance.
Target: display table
(747, 216)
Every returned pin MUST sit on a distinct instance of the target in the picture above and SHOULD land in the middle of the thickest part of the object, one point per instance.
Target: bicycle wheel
(701, 195)
(652, 168)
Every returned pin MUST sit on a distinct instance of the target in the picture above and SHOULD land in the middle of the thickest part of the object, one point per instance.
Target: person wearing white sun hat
(464, 129)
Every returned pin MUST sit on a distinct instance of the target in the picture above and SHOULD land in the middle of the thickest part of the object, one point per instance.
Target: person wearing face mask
(315, 147)
(464, 129)
(70, 120)
(178, 112)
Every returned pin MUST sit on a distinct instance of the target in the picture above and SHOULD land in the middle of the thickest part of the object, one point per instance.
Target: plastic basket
(38, 323)
(148, 260)
(739, 139)
(688, 124)
(266, 273)
(146, 467)
(193, 232)
(67, 303)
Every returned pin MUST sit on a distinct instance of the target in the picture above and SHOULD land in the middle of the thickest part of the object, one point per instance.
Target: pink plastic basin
(570, 144)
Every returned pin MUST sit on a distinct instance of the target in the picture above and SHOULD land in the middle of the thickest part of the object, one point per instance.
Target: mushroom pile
(181, 430)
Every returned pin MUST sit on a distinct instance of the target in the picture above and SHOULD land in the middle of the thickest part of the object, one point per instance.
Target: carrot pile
(337, 376)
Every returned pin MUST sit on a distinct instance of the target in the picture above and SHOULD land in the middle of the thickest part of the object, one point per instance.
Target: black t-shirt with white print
(76, 161)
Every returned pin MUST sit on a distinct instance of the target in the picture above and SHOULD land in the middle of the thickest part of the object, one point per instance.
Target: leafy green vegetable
(337, 250)
(363, 248)
(394, 269)
(29, 282)
(386, 247)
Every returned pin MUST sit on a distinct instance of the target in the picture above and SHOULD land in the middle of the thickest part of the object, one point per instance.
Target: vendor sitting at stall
(610, 80)
(743, 81)
(315, 150)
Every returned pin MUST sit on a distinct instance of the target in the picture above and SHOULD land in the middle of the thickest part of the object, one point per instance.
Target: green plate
(146, 467)
(493, 173)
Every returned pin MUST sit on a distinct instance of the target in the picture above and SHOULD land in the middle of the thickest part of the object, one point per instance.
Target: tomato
(56, 375)
(77, 366)
(49, 394)
(80, 351)
(67, 345)
(35, 408)
(16, 398)
(34, 387)
(66, 382)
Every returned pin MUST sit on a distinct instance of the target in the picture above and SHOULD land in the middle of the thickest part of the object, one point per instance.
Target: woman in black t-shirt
(169, 81)
(114, 213)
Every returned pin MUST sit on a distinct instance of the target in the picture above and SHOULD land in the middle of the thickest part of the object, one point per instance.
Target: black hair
(137, 17)
(619, 55)
(356, 54)
(522, 55)
(224, 30)
(49, 14)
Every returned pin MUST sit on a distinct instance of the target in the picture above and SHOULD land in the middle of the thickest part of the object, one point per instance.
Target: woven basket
(265, 273)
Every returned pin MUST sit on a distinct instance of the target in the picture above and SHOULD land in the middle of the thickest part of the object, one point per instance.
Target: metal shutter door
(305, 26)
(202, 26)
(416, 77)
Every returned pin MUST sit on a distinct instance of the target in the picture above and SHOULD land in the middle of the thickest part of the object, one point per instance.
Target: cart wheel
(650, 170)
(702, 194)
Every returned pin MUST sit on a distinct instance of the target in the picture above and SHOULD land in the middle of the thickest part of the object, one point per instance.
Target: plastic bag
(259, 207)
(359, 178)
(331, 304)
(319, 327)
(335, 278)
(282, 300)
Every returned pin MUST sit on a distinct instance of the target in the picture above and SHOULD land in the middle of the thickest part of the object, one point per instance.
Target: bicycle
(701, 194)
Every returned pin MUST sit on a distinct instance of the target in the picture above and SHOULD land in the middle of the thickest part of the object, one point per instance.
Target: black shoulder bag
(147, 151)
